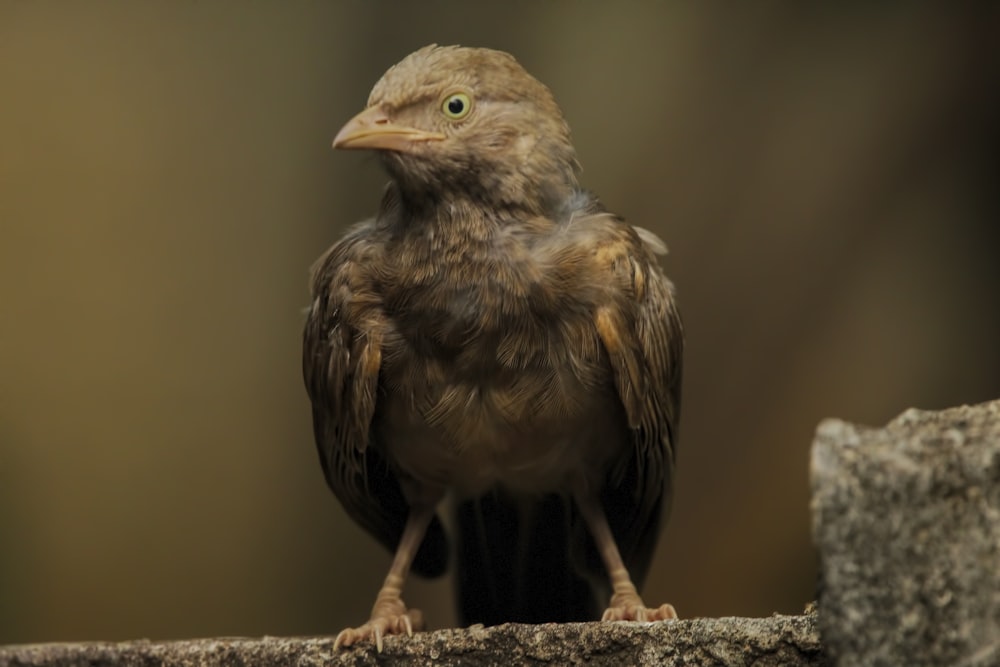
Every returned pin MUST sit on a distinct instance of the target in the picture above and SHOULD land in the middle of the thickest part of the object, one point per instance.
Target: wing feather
(341, 362)
(641, 331)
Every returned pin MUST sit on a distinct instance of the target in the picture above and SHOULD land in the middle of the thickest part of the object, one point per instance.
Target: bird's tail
(516, 562)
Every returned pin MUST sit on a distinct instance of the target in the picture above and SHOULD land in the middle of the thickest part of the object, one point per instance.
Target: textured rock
(761, 642)
(907, 521)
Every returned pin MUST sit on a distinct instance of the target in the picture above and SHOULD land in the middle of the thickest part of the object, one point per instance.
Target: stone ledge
(761, 642)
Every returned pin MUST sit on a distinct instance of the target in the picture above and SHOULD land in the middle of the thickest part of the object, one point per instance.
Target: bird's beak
(372, 128)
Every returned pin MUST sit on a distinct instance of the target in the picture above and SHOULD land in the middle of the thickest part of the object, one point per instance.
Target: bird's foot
(641, 613)
(629, 607)
(389, 617)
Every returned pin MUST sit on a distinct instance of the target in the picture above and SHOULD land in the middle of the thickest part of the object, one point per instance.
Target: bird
(497, 342)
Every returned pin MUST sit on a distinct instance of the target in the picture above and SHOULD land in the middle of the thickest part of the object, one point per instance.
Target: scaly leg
(389, 615)
(626, 605)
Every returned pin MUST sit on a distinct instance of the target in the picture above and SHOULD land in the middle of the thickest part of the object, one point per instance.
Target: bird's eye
(456, 106)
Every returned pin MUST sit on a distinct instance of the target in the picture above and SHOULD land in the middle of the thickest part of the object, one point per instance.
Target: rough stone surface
(907, 521)
(760, 642)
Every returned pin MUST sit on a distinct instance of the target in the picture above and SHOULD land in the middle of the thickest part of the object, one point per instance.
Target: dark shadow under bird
(495, 334)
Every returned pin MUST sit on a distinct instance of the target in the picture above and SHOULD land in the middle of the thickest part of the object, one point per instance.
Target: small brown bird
(496, 334)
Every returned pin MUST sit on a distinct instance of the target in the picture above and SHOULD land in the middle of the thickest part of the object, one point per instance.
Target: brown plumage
(493, 333)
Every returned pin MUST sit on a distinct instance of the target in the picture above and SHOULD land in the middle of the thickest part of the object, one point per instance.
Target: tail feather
(516, 562)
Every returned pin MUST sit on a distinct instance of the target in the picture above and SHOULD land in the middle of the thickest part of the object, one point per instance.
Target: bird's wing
(640, 329)
(341, 360)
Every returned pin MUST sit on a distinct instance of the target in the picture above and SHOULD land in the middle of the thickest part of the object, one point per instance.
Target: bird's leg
(389, 614)
(626, 605)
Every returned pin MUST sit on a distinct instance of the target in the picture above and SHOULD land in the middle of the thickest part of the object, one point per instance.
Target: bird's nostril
(382, 121)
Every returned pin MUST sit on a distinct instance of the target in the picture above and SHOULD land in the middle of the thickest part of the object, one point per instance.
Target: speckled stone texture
(907, 521)
(760, 642)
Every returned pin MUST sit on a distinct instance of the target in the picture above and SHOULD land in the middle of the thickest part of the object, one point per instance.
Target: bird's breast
(494, 372)
(532, 408)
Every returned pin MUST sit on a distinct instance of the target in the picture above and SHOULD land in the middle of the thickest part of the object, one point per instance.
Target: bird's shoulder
(344, 315)
(345, 262)
(588, 244)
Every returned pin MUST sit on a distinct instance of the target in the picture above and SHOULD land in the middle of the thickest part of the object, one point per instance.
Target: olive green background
(823, 175)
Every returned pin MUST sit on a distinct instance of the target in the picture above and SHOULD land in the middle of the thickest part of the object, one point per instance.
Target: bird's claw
(639, 612)
(381, 626)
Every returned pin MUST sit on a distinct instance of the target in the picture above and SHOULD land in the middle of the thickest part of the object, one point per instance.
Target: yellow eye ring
(456, 106)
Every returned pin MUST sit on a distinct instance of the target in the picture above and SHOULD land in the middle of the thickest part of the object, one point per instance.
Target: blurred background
(825, 177)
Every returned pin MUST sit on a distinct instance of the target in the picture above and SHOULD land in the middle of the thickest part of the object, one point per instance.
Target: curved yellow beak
(373, 129)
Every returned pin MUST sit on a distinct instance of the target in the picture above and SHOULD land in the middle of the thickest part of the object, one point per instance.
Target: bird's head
(452, 121)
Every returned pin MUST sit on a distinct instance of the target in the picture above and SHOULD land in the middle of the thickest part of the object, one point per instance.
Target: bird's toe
(639, 613)
(403, 622)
